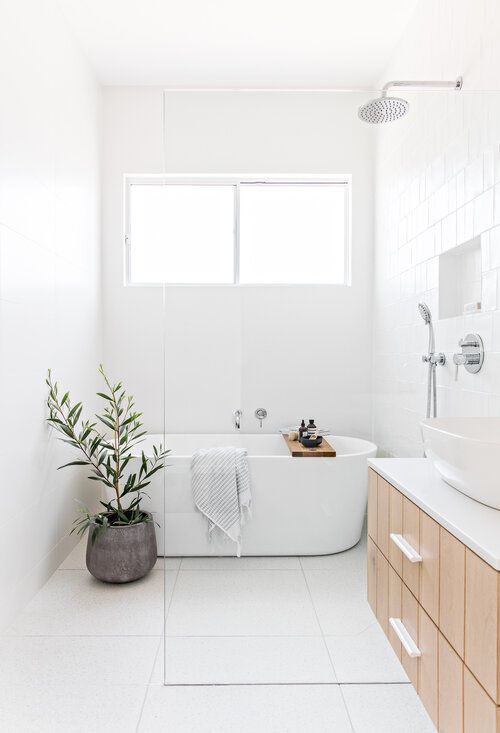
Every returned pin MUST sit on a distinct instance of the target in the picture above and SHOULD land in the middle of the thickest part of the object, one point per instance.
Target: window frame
(343, 180)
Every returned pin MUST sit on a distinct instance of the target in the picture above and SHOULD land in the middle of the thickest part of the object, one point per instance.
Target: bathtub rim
(368, 448)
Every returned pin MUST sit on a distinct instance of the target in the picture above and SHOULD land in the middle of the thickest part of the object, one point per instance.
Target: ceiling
(238, 43)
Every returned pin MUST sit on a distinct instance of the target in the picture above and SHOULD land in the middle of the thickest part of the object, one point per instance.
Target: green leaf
(74, 463)
(104, 396)
(106, 422)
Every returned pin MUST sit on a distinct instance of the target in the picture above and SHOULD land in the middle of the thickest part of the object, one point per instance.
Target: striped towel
(220, 482)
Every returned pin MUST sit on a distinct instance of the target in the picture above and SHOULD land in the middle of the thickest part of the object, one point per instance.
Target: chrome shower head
(387, 109)
(383, 109)
(425, 312)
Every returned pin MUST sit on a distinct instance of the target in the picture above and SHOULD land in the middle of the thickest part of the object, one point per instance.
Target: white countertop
(474, 524)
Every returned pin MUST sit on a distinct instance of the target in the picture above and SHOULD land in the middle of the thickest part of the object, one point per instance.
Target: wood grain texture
(383, 592)
(452, 590)
(411, 533)
(383, 516)
(395, 590)
(297, 450)
(428, 664)
(450, 688)
(480, 712)
(429, 569)
(395, 527)
(409, 617)
(481, 622)
(371, 566)
(372, 504)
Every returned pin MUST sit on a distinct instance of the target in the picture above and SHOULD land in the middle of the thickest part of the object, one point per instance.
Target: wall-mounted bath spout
(237, 419)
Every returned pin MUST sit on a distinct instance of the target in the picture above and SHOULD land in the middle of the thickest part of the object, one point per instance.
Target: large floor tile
(240, 563)
(254, 602)
(168, 563)
(340, 601)
(74, 603)
(76, 559)
(273, 709)
(90, 660)
(244, 660)
(70, 708)
(365, 657)
(386, 709)
(353, 559)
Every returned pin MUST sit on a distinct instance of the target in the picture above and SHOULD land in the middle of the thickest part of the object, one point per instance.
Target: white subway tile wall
(437, 186)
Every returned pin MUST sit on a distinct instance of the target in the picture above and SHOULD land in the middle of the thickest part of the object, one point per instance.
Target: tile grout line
(148, 686)
(325, 644)
(284, 684)
(161, 645)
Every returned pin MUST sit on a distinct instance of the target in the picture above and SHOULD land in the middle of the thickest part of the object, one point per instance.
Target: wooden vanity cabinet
(481, 623)
(448, 602)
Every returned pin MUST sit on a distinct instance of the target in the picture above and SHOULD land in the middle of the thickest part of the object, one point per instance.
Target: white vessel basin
(466, 452)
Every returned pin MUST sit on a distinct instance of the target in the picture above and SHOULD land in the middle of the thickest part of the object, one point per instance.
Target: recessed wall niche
(460, 279)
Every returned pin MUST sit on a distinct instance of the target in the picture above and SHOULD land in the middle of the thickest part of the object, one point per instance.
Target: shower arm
(456, 84)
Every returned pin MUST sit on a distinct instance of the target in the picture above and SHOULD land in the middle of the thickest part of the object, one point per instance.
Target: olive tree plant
(107, 446)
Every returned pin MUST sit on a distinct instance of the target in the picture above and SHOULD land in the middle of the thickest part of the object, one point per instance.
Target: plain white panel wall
(49, 281)
(437, 186)
(297, 351)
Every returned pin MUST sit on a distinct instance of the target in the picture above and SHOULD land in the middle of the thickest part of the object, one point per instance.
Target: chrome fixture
(261, 414)
(387, 109)
(237, 419)
(472, 355)
(432, 359)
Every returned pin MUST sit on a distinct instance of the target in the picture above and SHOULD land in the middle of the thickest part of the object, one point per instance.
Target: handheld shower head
(425, 312)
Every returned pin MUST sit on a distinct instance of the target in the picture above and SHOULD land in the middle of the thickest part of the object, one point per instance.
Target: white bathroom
(233, 237)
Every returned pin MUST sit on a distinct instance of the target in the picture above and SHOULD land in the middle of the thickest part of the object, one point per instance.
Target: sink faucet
(237, 419)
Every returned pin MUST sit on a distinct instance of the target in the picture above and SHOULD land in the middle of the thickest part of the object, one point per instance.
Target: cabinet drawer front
(395, 589)
(395, 527)
(480, 712)
(452, 590)
(383, 592)
(450, 688)
(409, 617)
(372, 504)
(428, 664)
(481, 622)
(372, 574)
(429, 569)
(383, 515)
(411, 533)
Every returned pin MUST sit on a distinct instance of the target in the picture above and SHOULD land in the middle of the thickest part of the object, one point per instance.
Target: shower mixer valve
(472, 355)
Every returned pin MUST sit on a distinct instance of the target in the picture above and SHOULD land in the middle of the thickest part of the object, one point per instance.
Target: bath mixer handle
(261, 414)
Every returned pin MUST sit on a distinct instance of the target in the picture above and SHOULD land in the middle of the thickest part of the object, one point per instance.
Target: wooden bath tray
(298, 450)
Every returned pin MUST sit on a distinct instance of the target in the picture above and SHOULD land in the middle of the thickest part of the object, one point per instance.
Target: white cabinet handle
(405, 548)
(404, 637)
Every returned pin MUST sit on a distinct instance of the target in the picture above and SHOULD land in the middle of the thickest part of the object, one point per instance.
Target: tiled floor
(256, 644)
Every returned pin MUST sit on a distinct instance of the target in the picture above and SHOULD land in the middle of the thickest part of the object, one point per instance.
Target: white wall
(250, 347)
(437, 186)
(49, 281)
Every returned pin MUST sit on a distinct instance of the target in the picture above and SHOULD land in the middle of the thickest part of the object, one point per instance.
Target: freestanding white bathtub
(300, 506)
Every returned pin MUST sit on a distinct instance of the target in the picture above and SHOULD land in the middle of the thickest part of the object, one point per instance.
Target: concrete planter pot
(122, 554)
